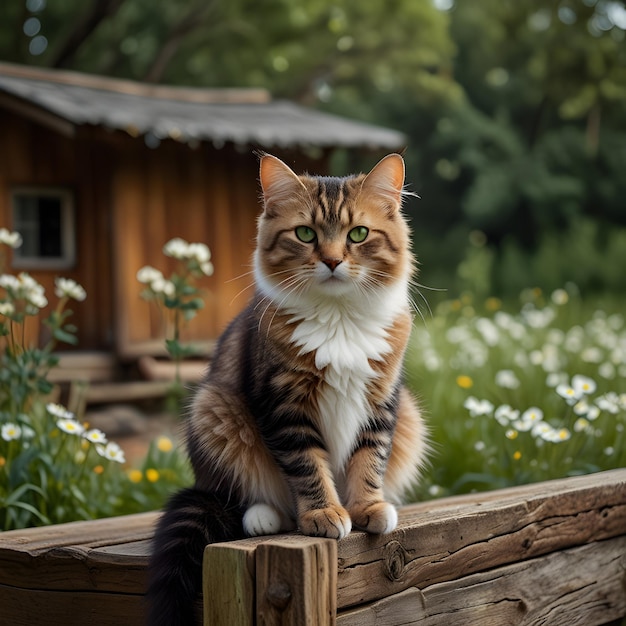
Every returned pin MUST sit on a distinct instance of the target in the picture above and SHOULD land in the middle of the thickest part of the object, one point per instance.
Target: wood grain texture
(582, 586)
(228, 584)
(444, 540)
(296, 582)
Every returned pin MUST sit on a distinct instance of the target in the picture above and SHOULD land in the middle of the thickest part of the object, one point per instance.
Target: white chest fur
(346, 337)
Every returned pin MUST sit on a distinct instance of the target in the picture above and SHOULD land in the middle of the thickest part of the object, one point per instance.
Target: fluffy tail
(192, 519)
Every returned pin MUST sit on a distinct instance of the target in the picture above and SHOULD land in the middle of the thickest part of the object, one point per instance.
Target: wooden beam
(297, 582)
(38, 115)
(232, 603)
(460, 536)
(582, 585)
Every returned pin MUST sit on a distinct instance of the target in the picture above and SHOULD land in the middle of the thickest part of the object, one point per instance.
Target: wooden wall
(32, 154)
(130, 200)
(200, 195)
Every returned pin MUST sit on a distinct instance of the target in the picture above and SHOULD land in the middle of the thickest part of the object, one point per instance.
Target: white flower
(9, 282)
(560, 297)
(200, 252)
(583, 384)
(609, 402)
(207, 268)
(163, 286)
(581, 424)
(554, 379)
(505, 414)
(13, 240)
(569, 393)
(176, 248)
(70, 426)
(66, 287)
(59, 410)
(533, 415)
(95, 436)
(31, 291)
(488, 330)
(148, 274)
(507, 379)
(7, 309)
(11, 431)
(558, 436)
(478, 407)
(607, 370)
(111, 451)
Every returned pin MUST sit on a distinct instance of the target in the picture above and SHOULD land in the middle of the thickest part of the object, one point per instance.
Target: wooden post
(297, 582)
(228, 585)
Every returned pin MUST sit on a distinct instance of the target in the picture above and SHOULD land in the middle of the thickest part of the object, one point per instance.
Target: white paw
(391, 520)
(261, 519)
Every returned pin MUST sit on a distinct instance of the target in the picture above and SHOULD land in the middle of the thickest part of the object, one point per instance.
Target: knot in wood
(279, 595)
(395, 560)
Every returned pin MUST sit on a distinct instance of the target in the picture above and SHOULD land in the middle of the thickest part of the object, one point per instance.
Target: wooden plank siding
(31, 155)
(129, 201)
(551, 553)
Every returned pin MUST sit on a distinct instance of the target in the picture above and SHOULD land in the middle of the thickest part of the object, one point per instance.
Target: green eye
(305, 234)
(358, 234)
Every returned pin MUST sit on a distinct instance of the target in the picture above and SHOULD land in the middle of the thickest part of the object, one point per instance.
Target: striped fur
(303, 420)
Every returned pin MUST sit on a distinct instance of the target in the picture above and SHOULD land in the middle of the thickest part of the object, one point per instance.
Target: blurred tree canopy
(515, 109)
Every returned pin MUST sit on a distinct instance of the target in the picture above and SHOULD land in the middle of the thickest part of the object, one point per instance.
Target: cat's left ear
(386, 179)
(278, 181)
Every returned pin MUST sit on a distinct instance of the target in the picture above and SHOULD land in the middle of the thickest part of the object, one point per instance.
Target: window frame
(67, 259)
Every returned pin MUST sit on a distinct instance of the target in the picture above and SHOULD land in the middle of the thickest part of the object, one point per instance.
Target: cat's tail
(192, 519)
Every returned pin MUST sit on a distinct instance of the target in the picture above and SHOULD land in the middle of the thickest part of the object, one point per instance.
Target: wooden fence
(549, 553)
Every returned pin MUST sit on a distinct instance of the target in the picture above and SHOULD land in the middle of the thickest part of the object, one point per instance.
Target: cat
(303, 420)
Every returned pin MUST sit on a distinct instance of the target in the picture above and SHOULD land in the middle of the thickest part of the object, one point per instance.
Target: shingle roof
(220, 116)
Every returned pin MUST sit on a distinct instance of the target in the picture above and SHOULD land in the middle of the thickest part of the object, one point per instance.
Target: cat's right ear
(278, 181)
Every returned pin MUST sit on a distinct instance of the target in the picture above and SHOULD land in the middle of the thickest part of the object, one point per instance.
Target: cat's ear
(278, 181)
(386, 179)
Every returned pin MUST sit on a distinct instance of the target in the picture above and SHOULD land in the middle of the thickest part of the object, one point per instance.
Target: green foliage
(519, 397)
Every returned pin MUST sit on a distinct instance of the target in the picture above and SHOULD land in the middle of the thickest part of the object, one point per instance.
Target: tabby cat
(303, 421)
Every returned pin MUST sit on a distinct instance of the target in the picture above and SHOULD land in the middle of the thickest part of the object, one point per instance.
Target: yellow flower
(511, 434)
(98, 469)
(463, 381)
(517, 455)
(493, 304)
(3, 461)
(152, 475)
(135, 475)
(164, 444)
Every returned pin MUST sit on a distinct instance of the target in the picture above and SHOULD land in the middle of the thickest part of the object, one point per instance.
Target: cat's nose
(331, 263)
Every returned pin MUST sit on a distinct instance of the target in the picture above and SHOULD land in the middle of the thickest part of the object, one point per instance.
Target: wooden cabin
(98, 174)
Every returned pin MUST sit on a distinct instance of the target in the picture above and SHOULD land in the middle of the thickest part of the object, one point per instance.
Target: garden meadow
(512, 394)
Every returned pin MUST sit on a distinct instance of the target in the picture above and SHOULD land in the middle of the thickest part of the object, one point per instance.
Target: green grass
(479, 368)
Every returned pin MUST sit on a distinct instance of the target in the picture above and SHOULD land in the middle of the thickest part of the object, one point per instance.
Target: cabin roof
(239, 116)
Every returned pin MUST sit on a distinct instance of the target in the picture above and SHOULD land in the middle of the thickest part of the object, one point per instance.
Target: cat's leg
(298, 450)
(365, 473)
(409, 449)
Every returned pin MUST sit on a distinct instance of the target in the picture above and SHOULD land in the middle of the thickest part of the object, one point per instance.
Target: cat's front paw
(261, 519)
(332, 521)
(377, 518)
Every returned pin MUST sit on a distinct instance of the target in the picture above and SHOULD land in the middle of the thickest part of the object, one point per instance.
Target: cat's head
(331, 236)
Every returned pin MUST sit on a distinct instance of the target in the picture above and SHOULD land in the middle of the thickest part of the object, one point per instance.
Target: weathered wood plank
(580, 586)
(104, 555)
(440, 541)
(228, 582)
(22, 607)
(297, 582)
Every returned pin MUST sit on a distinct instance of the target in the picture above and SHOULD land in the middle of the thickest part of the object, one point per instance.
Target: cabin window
(45, 219)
